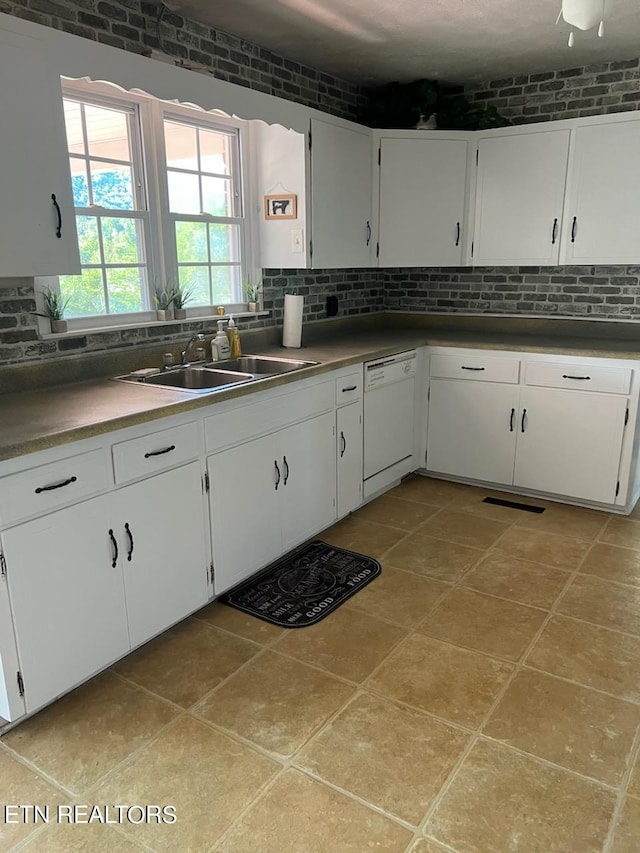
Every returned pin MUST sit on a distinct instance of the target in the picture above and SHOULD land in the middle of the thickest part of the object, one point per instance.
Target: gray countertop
(45, 417)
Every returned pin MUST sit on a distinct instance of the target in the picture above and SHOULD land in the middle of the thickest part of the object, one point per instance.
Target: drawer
(475, 366)
(578, 377)
(349, 388)
(43, 489)
(158, 451)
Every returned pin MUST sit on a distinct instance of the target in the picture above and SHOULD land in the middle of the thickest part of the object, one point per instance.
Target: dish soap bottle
(233, 333)
(221, 342)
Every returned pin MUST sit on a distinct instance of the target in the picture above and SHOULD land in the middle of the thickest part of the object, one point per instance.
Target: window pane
(73, 123)
(215, 154)
(107, 133)
(217, 196)
(197, 280)
(125, 290)
(180, 142)
(86, 293)
(191, 242)
(112, 186)
(184, 193)
(226, 284)
(88, 240)
(121, 239)
(225, 243)
(79, 182)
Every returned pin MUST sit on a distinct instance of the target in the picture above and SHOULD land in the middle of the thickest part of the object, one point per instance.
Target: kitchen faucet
(186, 351)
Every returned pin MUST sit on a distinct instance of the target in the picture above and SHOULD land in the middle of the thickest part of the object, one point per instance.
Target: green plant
(163, 298)
(54, 304)
(181, 295)
(252, 292)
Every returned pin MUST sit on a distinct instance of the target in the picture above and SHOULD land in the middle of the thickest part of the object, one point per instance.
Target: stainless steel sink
(195, 379)
(261, 365)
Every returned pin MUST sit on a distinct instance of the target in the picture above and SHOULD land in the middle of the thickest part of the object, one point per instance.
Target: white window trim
(160, 249)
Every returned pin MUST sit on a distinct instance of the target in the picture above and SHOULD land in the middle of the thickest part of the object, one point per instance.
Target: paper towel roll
(292, 331)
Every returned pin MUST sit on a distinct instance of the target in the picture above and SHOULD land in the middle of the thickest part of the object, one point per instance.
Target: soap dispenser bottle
(221, 342)
(233, 334)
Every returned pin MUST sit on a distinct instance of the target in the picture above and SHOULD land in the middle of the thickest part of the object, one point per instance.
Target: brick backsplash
(609, 87)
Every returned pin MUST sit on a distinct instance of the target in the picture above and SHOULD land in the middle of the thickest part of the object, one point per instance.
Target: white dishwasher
(389, 409)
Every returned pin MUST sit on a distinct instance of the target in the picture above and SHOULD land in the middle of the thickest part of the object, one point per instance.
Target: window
(158, 202)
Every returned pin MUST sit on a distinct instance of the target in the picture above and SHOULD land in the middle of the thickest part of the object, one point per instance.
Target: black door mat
(304, 587)
(513, 505)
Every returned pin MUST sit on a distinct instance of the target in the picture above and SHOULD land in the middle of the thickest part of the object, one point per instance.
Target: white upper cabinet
(340, 196)
(38, 232)
(519, 198)
(422, 202)
(603, 216)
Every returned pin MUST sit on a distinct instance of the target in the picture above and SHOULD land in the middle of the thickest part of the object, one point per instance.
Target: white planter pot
(58, 326)
(161, 315)
(253, 306)
(180, 313)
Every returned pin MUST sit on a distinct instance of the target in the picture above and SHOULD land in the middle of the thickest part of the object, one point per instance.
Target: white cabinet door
(422, 202)
(519, 198)
(569, 443)
(67, 598)
(472, 429)
(245, 512)
(349, 449)
(34, 165)
(308, 498)
(603, 217)
(340, 196)
(162, 546)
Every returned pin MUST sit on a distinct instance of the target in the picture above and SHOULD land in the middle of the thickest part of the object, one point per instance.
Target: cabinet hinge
(617, 488)
(477, 155)
(626, 421)
(311, 248)
(20, 683)
(377, 250)
(379, 155)
(472, 244)
(3, 566)
(309, 139)
(207, 482)
(428, 393)
(211, 572)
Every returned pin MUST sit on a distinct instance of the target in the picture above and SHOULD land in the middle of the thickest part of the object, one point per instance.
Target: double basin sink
(205, 378)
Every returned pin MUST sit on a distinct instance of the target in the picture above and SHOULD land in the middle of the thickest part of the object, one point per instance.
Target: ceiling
(455, 41)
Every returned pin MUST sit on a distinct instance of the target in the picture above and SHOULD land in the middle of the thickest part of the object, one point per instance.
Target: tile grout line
(622, 793)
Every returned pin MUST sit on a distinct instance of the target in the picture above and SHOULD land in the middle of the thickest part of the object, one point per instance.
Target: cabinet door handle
(130, 535)
(524, 415)
(554, 232)
(56, 485)
(350, 388)
(457, 233)
(59, 212)
(114, 561)
(471, 368)
(275, 462)
(513, 414)
(343, 441)
(568, 376)
(573, 229)
(286, 470)
(368, 232)
(160, 452)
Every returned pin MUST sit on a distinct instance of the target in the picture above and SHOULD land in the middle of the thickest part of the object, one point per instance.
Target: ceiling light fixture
(582, 14)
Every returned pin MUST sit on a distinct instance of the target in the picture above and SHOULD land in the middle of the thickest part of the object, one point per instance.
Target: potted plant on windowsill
(252, 292)
(164, 301)
(54, 305)
(179, 298)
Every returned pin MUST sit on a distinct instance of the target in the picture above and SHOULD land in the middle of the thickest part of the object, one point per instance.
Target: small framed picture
(282, 206)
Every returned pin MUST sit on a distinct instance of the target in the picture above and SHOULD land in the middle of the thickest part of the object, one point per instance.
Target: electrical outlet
(297, 241)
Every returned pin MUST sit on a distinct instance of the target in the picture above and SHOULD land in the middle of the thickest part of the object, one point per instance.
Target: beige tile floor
(481, 696)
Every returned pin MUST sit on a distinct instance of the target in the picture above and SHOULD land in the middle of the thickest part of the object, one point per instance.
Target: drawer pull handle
(56, 485)
(573, 229)
(524, 415)
(567, 376)
(275, 462)
(343, 442)
(350, 388)
(471, 368)
(114, 562)
(368, 232)
(513, 414)
(59, 214)
(554, 232)
(457, 233)
(286, 469)
(130, 535)
(160, 452)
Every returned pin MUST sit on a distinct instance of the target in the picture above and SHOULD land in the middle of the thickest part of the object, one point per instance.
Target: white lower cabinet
(570, 443)
(268, 495)
(349, 458)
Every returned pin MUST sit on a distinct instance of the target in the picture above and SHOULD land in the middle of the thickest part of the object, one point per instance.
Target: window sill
(98, 330)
